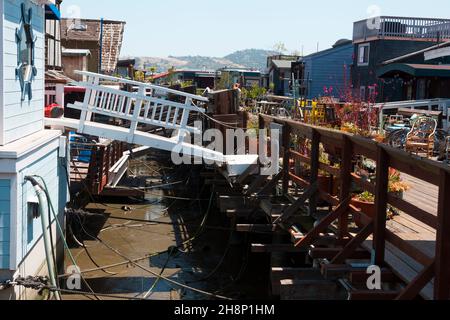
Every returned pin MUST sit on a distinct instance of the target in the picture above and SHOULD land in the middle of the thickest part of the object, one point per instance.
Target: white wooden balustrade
(151, 105)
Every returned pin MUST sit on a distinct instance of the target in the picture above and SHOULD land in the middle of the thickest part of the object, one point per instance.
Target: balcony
(401, 28)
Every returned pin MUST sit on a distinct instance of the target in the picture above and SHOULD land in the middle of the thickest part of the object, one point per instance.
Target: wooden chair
(421, 137)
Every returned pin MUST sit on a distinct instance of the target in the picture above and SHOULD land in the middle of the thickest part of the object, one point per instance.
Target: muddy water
(201, 264)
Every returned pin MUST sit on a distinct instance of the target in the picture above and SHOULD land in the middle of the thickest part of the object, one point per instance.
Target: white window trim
(363, 64)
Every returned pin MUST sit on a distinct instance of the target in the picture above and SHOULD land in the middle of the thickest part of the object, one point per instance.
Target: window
(362, 93)
(363, 54)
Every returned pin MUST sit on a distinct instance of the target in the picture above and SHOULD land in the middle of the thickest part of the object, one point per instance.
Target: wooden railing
(151, 105)
(402, 27)
(345, 147)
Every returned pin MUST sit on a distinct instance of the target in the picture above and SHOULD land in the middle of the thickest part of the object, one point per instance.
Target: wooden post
(286, 157)
(381, 200)
(315, 150)
(442, 272)
(346, 182)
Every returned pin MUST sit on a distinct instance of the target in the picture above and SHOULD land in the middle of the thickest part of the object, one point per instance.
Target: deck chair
(420, 140)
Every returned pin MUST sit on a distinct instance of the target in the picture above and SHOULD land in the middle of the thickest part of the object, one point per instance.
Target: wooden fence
(346, 147)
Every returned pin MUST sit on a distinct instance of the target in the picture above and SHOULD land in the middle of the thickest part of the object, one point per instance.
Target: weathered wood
(270, 248)
(256, 228)
(331, 253)
(324, 224)
(310, 290)
(408, 248)
(279, 274)
(442, 276)
(372, 295)
(295, 207)
(361, 276)
(346, 180)
(381, 200)
(350, 248)
(421, 215)
(315, 156)
(414, 287)
(286, 157)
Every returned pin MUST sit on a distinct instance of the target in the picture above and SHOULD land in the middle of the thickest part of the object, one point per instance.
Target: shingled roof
(90, 31)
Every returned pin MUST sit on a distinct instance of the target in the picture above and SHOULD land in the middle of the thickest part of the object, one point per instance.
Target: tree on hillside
(280, 47)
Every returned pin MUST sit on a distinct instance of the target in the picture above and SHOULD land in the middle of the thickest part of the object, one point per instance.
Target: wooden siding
(5, 218)
(20, 118)
(380, 51)
(29, 233)
(330, 68)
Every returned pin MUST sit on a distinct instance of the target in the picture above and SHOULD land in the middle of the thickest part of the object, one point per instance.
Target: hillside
(251, 58)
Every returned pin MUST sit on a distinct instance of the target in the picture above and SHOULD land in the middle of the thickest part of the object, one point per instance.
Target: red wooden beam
(442, 276)
(381, 200)
(417, 284)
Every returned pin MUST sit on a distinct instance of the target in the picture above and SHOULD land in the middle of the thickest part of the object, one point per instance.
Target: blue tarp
(52, 12)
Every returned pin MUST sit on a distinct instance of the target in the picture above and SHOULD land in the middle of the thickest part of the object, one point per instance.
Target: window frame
(363, 63)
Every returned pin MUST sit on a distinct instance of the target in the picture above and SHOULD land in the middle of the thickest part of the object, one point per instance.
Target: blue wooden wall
(21, 118)
(5, 218)
(326, 69)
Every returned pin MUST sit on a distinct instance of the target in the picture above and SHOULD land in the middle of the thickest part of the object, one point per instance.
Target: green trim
(410, 70)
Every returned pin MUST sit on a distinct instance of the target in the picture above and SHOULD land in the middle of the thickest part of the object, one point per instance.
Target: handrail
(142, 84)
(386, 157)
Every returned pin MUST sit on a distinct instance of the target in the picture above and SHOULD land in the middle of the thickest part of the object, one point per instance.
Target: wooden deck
(415, 233)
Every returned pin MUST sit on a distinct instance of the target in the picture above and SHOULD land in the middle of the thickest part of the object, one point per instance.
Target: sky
(161, 28)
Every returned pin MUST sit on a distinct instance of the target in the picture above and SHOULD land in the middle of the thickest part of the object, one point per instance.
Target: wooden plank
(361, 276)
(346, 179)
(414, 287)
(286, 157)
(413, 211)
(442, 279)
(310, 290)
(352, 246)
(408, 248)
(279, 274)
(366, 295)
(331, 253)
(315, 156)
(256, 228)
(295, 207)
(381, 200)
(270, 248)
(324, 224)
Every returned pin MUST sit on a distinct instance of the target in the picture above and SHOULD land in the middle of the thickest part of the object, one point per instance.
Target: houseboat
(32, 159)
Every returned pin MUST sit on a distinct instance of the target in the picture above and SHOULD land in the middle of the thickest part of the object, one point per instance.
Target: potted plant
(366, 203)
(325, 182)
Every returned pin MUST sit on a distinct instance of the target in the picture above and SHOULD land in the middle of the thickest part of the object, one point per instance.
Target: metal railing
(402, 27)
(151, 105)
(442, 105)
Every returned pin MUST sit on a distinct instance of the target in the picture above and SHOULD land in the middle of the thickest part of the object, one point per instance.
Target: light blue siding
(329, 68)
(5, 221)
(21, 118)
(29, 229)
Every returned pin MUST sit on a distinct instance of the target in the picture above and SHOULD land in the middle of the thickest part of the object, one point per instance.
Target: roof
(342, 45)
(75, 52)
(282, 64)
(54, 76)
(88, 30)
(415, 53)
(415, 70)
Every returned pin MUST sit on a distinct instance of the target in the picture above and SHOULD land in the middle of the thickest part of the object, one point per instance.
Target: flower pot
(367, 208)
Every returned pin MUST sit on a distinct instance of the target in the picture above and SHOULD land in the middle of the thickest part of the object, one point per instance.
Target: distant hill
(251, 58)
